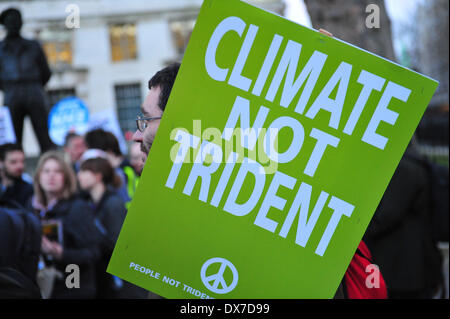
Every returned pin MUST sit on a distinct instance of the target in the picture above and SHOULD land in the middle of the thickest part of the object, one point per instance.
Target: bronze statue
(24, 71)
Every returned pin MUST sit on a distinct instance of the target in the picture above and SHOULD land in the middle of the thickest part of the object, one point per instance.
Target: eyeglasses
(142, 122)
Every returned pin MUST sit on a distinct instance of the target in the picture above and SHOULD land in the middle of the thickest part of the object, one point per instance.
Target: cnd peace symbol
(216, 282)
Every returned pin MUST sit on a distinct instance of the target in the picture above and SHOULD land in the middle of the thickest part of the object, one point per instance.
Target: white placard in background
(7, 134)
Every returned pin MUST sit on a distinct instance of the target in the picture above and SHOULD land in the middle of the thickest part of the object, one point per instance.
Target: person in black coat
(98, 178)
(12, 166)
(399, 235)
(24, 71)
(75, 243)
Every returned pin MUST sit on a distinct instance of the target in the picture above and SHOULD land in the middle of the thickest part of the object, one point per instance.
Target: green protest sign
(276, 146)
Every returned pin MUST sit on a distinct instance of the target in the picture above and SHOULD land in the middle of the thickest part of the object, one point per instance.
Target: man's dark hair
(9, 11)
(165, 79)
(70, 136)
(8, 147)
(103, 140)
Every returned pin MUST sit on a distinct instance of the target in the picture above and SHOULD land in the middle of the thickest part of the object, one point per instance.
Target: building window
(181, 32)
(128, 102)
(56, 95)
(123, 42)
(57, 46)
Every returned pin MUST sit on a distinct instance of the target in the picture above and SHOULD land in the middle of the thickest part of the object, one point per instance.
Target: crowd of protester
(79, 197)
(72, 210)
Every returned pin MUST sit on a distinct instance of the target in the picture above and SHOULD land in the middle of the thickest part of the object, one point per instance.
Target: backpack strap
(11, 203)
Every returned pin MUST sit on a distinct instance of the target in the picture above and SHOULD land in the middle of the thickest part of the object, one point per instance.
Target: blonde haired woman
(73, 237)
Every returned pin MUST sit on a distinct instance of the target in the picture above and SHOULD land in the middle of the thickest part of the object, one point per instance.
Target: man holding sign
(303, 135)
(154, 105)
